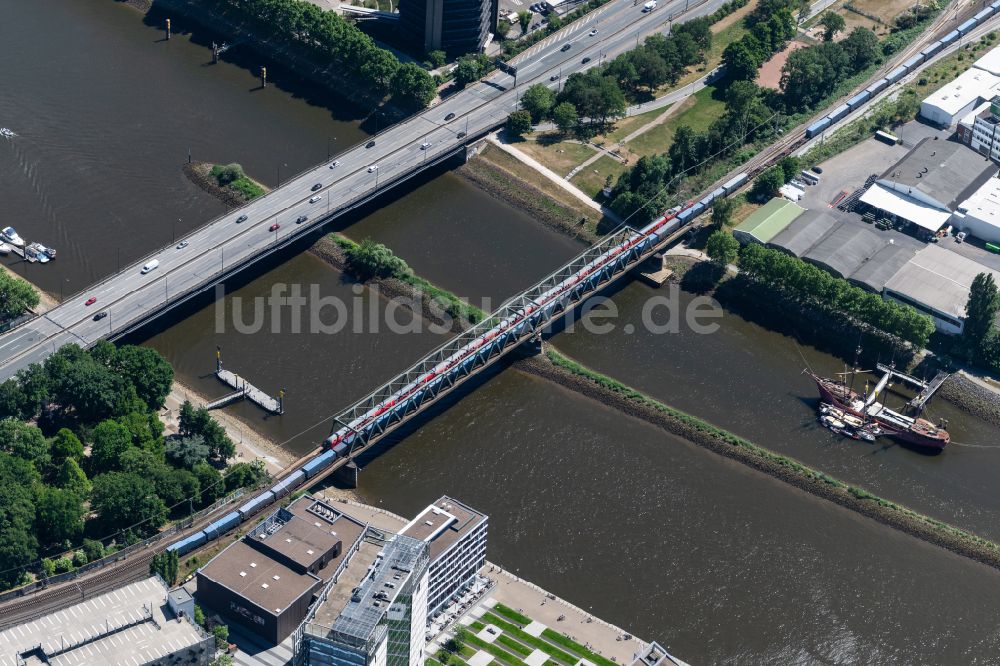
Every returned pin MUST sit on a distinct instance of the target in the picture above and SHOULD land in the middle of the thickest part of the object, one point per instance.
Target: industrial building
(937, 282)
(927, 184)
(138, 624)
(979, 215)
(957, 98)
(268, 580)
(456, 535)
(373, 612)
(456, 27)
(767, 221)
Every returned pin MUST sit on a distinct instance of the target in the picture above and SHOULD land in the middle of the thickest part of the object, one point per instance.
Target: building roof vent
(264, 585)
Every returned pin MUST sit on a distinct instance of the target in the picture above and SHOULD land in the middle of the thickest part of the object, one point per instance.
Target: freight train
(895, 75)
(535, 313)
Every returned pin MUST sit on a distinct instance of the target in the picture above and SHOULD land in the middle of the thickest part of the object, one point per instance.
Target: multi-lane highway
(224, 245)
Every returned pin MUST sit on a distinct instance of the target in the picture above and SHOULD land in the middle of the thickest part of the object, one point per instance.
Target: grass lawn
(626, 126)
(591, 180)
(560, 156)
(698, 112)
(743, 210)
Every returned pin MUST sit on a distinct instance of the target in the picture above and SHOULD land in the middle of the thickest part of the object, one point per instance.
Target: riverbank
(570, 374)
(46, 301)
(502, 176)
(973, 395)
(200, 173)
(250, 444)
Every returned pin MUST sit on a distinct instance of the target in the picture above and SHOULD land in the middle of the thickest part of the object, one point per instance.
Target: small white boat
(34, 253)
(9, 235)
(4, 248)
(8, 133)
(50, 252)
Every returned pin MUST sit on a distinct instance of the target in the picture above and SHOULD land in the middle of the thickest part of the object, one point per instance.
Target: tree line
(326, 36)
(812, 285)
(84, 464)
(603, 93)
(16, 297)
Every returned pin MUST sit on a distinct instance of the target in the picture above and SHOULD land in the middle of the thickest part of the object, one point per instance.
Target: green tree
(722, 212)
(538, 101)
(980, 313)
(790, 167)
(741, 63)
(832, 24)
(380, 67)
(66, 445)
(24, 441)
(365, 261)
(185, 452)
(412, 86)
(245, 475)
(767, 184)
(126, 501)
(518, 123)
(437, 58)
(469, 69)
(149, 372)
(111, 441)
(524, 20)
(165, 564)
(60, 515)
(72, 478)
(862, 48)
(16, 296)
(565, 117)
(93, 549)
(722, 247)
(228, 174)
(210, 481)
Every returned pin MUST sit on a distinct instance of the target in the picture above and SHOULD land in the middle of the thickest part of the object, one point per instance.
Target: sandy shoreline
(250, 444)
(46, 301)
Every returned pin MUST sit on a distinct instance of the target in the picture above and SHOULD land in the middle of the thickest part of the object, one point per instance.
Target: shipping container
(911, 64)
(859, 99)
(877, 87)
(818, 127)
(967, 26)
(895, 75)
(948, 39)
(932, 49)
(256, 504)
(839, 113)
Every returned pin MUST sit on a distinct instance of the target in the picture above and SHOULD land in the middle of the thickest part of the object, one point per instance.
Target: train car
(319, 463)
(895, 75)
(257, 503)
(912, 63)
(223, 525)
(839, 113)
(693, 211)
(983, 15)
(950, 38)
(719, 193)
(996, 6)
(967, 26)
(685, 215)
(859, 99)
(932, 49)
(288, 484)
(738, 180)
(185, 546)
(817, 127)
(877, 87)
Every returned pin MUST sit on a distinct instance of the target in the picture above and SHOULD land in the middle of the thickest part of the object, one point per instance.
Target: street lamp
(279, 172)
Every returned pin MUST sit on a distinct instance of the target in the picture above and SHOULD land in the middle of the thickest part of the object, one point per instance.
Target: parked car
(960, 236)
(91, 300)
(274, 227)
(818, 169)
(301, 218)
(241, 218)
(317, 186)
(100, 315)
(449, 116)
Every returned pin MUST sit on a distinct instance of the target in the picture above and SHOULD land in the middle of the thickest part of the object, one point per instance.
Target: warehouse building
(927, 184)
(990, 62)
(979, 215)
(267, 580)
(139, 624)
(954, 100)
(937, 282)
(456, 27)
(767, 221)
(456, 535)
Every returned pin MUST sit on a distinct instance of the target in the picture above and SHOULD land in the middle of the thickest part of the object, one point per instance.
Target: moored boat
(4, 248)
(10, 235)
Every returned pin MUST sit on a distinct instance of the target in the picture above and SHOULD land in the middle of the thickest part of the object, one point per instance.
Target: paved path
(553, 176)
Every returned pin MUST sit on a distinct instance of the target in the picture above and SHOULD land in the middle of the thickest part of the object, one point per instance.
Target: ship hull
(841, 396)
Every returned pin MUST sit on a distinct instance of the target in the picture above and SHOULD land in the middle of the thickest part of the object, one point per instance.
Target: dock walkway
(244, 389)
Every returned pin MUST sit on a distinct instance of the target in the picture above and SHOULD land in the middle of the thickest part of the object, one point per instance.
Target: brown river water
(723, 564)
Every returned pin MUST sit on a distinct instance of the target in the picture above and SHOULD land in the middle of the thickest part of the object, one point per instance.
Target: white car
(373, 168)
(592, 32)
(315, 198)
(336, 163)
(960, 236)
(425, 145)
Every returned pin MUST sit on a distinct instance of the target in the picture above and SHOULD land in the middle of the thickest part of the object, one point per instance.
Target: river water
(672, 542)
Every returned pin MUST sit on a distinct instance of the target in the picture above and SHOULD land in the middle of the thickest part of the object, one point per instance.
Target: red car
(91, 300)
(274, 227)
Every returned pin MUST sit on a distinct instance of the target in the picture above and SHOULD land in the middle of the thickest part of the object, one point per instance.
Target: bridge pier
(533, 346)
(347, 475)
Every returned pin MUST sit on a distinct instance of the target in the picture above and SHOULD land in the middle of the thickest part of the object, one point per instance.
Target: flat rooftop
(357, 568)
(946, 171)
(154, 633)
(443, 523)
(939, 279)
(768, 221)
(303, 532)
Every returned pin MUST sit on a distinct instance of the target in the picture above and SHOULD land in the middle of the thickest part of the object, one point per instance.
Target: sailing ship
(911, 430)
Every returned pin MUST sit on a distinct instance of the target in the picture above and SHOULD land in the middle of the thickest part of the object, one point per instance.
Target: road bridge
(231, 243)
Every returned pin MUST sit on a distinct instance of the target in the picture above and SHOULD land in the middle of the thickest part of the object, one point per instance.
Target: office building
(456, 27)
(456, 535)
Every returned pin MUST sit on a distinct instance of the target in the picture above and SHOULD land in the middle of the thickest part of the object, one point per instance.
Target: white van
(150, 266)
(649, 6)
